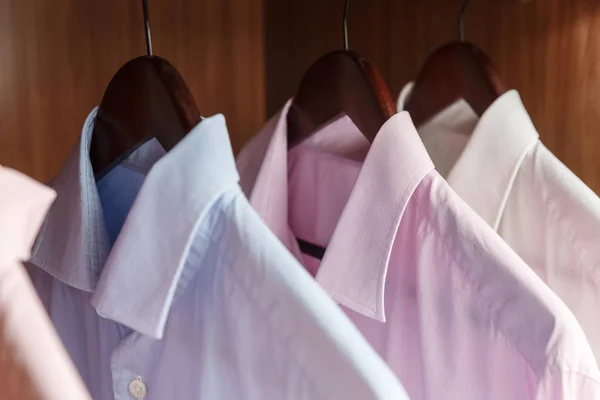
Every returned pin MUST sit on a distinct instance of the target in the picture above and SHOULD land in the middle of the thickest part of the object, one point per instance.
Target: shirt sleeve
(23, 205)
(33, 362)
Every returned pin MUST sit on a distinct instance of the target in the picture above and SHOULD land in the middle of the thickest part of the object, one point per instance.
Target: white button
(138, 388)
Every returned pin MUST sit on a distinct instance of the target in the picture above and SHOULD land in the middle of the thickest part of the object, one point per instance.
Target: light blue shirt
(163, 283)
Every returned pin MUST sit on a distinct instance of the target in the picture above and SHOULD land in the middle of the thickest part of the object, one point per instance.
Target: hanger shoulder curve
(146, 98)
(340, 82)
(456, 70)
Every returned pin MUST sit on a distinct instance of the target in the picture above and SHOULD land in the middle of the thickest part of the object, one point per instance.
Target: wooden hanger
(458, 70)
(147, 98)
(341, 82)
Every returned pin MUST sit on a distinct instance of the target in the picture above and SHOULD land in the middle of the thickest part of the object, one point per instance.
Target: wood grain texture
(56, 58)
(549, 50)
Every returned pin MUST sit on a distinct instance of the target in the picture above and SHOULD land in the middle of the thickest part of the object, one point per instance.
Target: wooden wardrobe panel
(549, 50)
(56, 58)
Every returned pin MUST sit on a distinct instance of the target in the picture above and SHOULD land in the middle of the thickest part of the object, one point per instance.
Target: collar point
(109, 310)
(375, 312)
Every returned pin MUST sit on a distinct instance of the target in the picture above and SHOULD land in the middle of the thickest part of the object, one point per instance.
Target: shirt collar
(135, 282)
(502, 137)
(22, 212)
(394, 166)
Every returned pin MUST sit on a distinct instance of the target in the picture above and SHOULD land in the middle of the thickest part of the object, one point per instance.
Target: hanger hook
(345, 24)
(461, 21)
(147, 27)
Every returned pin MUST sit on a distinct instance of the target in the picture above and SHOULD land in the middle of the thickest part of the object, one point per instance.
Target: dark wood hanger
(147, 98)
(341, 82)
(458, 70)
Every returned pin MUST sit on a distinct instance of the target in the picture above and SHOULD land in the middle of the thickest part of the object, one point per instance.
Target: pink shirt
(453, 310)
(33, 362)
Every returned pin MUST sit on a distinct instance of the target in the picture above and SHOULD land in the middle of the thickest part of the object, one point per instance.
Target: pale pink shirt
(452, 309)
(499, 166)
(33, 362)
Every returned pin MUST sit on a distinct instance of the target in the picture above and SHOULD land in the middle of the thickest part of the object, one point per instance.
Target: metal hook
(461, 21)
(345, 24)
(147, 27)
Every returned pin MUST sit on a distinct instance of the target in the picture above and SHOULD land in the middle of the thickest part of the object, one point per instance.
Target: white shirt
(498, 165)
(452, 309)
(196, 298)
